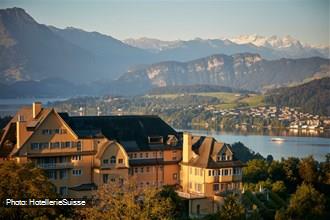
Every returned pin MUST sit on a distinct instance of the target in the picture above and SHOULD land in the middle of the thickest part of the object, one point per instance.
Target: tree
(306, 203)
(325, 170)
(128, 201)
(279, 188)
(291, 169)
(280, 214)
(255, 171)
(308, 170)
(22, 182)
(276, 171)
(169, 192)
(231, 209)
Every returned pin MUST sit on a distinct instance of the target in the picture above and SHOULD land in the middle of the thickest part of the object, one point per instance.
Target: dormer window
(223, 156)
(113, 160)
(155, 140)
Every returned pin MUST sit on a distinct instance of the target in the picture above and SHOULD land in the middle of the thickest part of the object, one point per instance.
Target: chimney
(187, 148)
(36, 108)
(20, 130)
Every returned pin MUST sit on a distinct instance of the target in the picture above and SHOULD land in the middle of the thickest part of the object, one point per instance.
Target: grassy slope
(230, 100)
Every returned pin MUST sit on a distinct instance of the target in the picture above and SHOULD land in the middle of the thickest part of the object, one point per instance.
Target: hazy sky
(306, 20)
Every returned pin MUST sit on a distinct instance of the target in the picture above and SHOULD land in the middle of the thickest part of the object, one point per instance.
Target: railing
(67, 165)
(190, 195)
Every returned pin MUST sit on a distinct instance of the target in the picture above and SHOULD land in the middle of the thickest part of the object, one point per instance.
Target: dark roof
(132, 131)
(84, 187)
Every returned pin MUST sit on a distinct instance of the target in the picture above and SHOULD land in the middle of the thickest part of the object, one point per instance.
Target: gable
(51, 129)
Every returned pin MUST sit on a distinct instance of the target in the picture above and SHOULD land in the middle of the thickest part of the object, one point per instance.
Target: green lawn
(230, 100)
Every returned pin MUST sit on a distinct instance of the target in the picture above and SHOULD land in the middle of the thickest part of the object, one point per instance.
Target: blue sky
(306, 20)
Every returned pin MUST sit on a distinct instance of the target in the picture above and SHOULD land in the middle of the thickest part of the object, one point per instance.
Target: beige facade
(80, 154)
(207, 171)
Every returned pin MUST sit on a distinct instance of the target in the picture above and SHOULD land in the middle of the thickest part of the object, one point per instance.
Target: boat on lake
(278, 139)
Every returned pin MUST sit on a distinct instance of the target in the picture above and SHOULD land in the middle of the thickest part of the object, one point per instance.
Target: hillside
(194, 89)
(244, 71)
(33, 51)
(311, 97)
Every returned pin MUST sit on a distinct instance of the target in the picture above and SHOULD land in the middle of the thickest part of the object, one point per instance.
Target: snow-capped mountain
(286, 44)
(273, 47)
(274, 41)
(153, 45)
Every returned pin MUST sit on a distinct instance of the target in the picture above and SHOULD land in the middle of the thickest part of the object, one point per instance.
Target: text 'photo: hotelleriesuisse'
(165, 109)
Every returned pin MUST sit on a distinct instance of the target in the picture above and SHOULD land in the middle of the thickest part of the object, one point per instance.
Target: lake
(292, 146)
(10, 106)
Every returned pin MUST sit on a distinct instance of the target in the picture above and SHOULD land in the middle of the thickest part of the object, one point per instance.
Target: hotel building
(80, 153)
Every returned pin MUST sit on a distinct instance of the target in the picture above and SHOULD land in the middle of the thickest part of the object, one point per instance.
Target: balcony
(187, 195)
(67, 165)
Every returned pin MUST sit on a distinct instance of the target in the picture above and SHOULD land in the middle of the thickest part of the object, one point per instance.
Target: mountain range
(32, 54)
(273, 47)
(245, 71)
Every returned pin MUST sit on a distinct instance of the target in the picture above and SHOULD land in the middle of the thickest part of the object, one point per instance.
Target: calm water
(10, 106)
(293, 146)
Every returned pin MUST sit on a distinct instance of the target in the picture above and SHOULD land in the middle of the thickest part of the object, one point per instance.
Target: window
(78, 146)
(105, 178)
(213, 172)
(147, 155)
(175, 176)
(148, 169)
(141, 169)
(135, 155)
(46, 131)
(226, 172)
(223, 156)
(113, 160)
(66, 144)
(141, 155)
(120, 161)
(113, 179)
(198, 209)
(56, 131)
(216, 187)
(63, 190)
(43, 145)
(219, 172)
(198, 187)
(63, 174)
(136, 170)
(52, 174)
(210, 172)
(174, 155)
(76, 157)
(155, 140)
(34, 146)
(105, 161)
(54, 144)
(76, 172)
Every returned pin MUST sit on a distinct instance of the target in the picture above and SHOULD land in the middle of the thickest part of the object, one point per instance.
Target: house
(80, 153)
